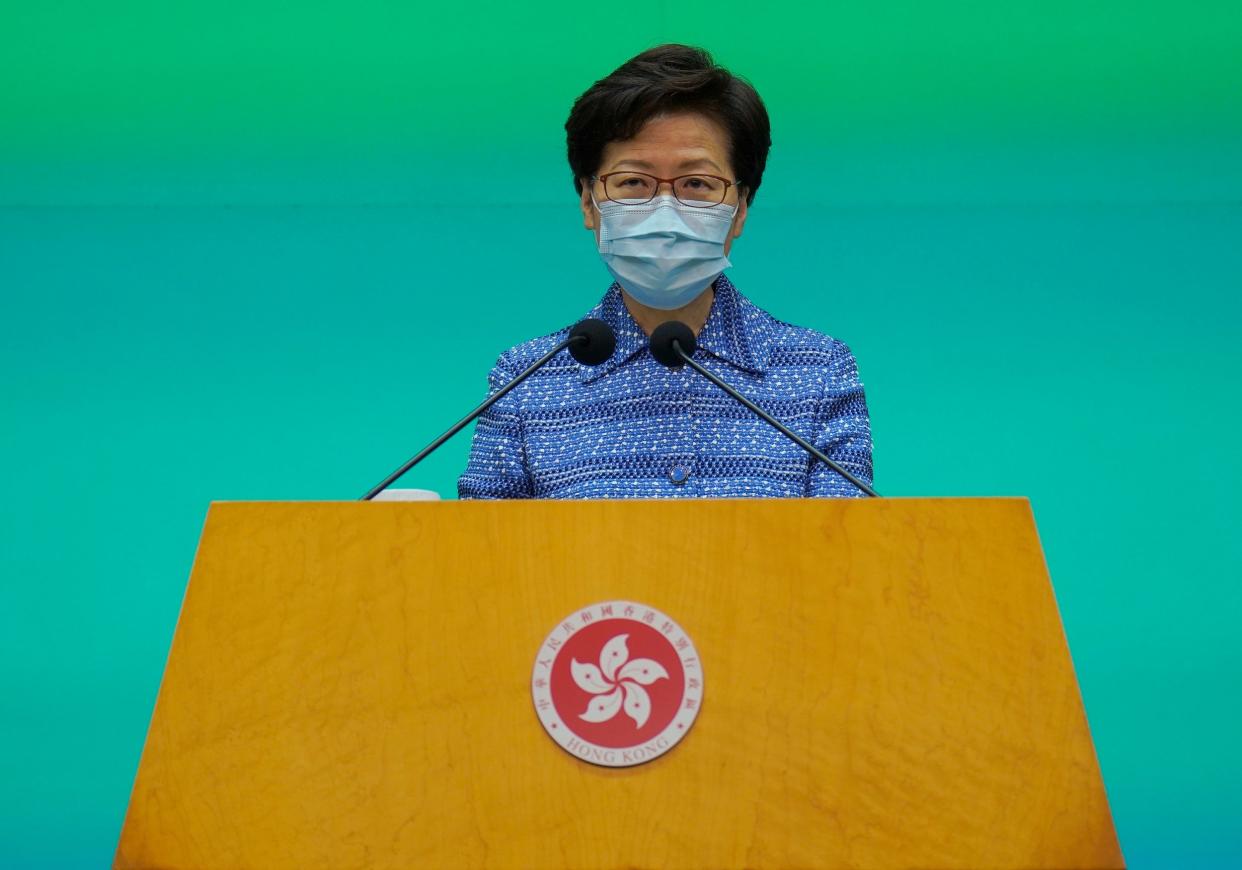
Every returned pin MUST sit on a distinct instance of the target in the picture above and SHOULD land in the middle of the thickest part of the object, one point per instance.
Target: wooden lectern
(887, 685)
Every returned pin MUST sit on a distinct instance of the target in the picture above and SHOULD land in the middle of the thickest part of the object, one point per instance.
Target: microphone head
(662, 343)
(592, 341)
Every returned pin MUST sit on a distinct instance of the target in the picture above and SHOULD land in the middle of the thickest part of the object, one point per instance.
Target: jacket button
(678, 474)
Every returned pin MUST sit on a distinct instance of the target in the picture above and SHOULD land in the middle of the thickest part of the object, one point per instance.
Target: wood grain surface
(887, 685)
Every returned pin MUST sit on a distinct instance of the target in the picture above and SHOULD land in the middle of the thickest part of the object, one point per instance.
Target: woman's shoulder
(520, 356)
(789, 344)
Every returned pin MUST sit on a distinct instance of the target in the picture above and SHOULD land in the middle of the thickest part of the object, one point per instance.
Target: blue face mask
(664, 253)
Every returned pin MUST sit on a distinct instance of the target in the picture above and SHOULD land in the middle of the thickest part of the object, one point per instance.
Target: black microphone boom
(673, 345)
(590, 342)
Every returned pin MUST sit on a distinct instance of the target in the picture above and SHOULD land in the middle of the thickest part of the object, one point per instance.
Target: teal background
(235, 239)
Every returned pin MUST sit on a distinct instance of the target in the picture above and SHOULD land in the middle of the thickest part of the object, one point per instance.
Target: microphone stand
(772, 421)
(465, 421)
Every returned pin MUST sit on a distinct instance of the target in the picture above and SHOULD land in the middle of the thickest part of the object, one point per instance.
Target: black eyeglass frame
(672, 186)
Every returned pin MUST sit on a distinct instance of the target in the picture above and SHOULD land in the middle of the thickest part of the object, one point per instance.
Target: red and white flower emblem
(619, 683)
(612, 658)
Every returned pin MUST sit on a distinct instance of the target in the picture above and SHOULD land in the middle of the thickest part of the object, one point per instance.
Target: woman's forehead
(671, 142)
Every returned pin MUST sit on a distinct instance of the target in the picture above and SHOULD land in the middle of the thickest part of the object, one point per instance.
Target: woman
(667, 153)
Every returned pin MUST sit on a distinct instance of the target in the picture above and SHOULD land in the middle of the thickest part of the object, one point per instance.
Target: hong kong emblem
(617, 683)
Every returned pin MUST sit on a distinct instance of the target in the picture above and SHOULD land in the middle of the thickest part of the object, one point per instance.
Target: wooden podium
(887, 684)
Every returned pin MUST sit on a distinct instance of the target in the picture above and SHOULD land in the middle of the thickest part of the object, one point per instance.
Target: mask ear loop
(599, 220)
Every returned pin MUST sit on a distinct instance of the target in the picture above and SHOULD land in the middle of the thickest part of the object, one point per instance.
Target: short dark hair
(669, 78)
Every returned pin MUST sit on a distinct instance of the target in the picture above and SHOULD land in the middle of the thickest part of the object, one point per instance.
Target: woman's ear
(589, 220)
(739, 220)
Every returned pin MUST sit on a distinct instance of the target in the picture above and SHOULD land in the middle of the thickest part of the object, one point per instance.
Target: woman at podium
(667, 153)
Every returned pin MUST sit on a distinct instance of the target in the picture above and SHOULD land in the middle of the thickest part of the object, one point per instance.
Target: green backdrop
(237, 239)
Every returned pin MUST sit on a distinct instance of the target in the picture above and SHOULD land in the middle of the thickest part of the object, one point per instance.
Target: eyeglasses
(636, 188)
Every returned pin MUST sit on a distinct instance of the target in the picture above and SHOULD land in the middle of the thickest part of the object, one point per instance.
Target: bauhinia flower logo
(617, 683)
(577, 701)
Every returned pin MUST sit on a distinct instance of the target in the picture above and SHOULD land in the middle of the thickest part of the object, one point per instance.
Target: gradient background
(266, 250)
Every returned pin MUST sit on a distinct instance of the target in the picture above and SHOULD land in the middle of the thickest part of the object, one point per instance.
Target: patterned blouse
(632, 428)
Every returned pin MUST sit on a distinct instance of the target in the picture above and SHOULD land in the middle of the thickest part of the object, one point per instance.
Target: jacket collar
(736, 331)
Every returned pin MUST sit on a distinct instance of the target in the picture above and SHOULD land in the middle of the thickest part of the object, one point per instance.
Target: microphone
(590, 342)
(673, 344)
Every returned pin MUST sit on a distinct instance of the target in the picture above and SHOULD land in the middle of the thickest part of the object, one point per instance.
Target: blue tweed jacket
(631, 428)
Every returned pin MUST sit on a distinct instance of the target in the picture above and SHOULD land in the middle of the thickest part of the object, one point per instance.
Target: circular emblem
(617, 683)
